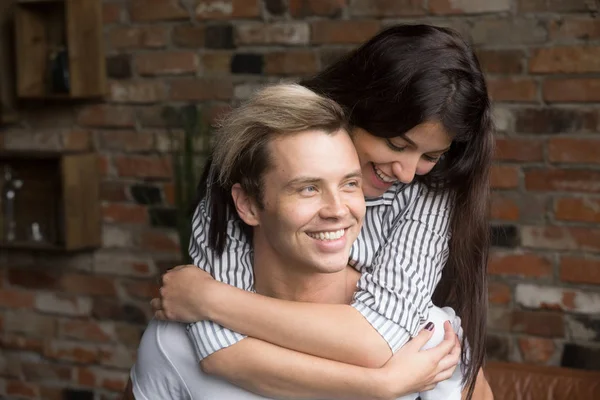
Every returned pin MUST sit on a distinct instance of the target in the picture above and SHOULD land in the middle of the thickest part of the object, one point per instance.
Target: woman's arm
(281, 373)
(284, 323)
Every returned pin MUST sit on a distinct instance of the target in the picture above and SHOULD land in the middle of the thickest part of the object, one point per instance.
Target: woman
(421, 122)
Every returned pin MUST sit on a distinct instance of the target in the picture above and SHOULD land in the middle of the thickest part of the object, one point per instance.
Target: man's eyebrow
(306, 180)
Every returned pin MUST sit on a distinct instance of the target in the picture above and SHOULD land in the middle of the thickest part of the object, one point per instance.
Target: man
(285, 164)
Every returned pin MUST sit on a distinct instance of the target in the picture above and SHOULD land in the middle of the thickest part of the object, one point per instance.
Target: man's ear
(246, 207)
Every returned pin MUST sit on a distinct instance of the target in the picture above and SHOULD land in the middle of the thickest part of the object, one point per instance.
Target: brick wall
(74, 321)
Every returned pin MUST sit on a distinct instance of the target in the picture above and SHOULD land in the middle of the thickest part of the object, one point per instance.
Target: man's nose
(333, 206)
(405, 171)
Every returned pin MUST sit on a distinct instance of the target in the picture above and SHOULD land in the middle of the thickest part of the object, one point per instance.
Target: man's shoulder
(163, 352)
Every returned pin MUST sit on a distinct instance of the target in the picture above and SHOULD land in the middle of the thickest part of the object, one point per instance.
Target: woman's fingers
(156, 304)
(421, 339)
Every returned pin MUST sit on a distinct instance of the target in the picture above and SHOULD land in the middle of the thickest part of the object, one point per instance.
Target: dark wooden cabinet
(56, 205)
(59, 49)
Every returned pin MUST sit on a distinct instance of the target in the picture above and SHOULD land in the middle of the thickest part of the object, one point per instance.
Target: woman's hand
(412, 370)
(182, 294)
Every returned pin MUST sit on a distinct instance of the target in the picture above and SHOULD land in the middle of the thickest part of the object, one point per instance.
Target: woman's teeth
(383, 176)
(327, 235)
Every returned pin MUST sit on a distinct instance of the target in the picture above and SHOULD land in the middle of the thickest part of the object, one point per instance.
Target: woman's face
(386, 161)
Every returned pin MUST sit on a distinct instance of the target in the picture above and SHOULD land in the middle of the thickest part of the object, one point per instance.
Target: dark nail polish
(429, 326)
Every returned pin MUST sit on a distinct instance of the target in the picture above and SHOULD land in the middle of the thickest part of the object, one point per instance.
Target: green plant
(189, 150)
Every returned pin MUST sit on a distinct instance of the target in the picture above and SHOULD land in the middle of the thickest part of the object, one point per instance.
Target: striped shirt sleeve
(234, 267)
(394, 293)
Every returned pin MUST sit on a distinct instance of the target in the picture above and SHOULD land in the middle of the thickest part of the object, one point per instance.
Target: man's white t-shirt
(167, 367)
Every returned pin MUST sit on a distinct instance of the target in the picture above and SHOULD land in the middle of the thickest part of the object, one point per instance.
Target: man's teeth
(383, 176)
(327, 235)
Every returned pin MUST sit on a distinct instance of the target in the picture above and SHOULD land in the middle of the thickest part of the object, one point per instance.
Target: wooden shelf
(59, 193)
(59, 49)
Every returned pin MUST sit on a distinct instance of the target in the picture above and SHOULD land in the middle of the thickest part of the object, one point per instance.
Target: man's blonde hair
(241, 154)
(272, 111)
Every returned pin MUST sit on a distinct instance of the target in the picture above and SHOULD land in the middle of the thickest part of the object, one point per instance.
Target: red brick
(22, 389)
(159, 241)
(343, 32)
(85, 377)
(512, 89)
(16, 299)
(293, 33)
(102, 115)
(526, 265)
(299, 62)
(225, 9)
(536, 350)
(553, 6)
(506, 31)
(468, 7)
(516, 149)
(138, 37)
(538, 323)
(555, 120)
(504, 177)
(142, 289)
(111, 13)
(578, 151)
(136, 92)
(504, 208)
(166, 63)
(51, 393)
(33, 278)
(124, 213)
(90, 331)
(572, 90)
(143, 167)
(188, 36)
(113, 191)
(583, 28)
(501, 61)
(217, 62)
(22, 343)
(104, 164)
(571, 180)
(35, 372)
(157, 10)
(386, 8)
(580, 270)
(71, 351)
(125, 141)
(574, 59)
(169, 193)
(321, 8)
(561, 238)
(92, 285)
(499, 293)
(577, 209)
(201, 89)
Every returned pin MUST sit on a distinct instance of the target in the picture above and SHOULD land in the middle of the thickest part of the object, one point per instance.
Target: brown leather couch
(510, 381)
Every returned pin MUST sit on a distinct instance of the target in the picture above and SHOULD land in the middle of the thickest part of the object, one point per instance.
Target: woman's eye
(432, 159)
(394, 147)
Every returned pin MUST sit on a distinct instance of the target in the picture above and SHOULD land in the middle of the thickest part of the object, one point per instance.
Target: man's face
(313, 202)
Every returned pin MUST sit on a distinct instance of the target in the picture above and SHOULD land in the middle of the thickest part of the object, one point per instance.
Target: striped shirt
(400, 252)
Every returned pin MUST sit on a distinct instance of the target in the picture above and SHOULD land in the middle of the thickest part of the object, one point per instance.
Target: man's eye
(308, 190)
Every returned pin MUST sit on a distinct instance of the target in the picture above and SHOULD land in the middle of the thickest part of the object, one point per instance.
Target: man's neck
(281, 279)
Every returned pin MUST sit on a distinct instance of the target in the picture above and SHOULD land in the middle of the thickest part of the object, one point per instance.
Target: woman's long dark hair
(408, 75)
